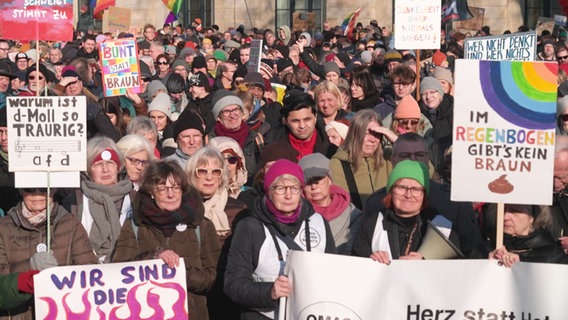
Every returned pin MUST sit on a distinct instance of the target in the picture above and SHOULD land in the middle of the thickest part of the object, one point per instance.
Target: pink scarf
(339, 201)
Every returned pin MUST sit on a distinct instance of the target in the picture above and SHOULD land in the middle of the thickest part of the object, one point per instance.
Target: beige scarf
(215, 211)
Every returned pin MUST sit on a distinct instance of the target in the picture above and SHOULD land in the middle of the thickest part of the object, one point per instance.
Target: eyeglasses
(564, 117)
(162, 62)
(163, 189)
(408, 122)
(138, 162)
(402, 84)
(204, 173)
(235, 111)
(33, 190)
(34, 77)
(4, 49)
(562, 57)
(280, 190)
(401, 190)
(146, 79)
(232, 159)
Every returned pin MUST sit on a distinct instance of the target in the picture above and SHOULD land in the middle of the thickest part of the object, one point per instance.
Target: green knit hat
(410, 169)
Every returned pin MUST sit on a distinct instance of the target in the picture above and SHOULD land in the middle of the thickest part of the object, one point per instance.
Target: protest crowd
(327, 136)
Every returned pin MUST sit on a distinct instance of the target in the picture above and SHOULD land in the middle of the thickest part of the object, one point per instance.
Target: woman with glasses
(397, 231)
(168, 224)
(358, 165)
(162, 67)
(236, 167)
(364, 93)
(103, 202)
(138, 153)
(280, 221)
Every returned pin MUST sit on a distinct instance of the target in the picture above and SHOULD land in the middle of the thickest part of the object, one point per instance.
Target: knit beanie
(220, 55)
(188, 119)
(266, 67)
(407, 108)
(70, 71)
(431, 83)
(366, 57)
(186, 52)
(49, 76)
(161, 103)
(255, 79)
(282, 64)
(175, 83)
(410, 169)
(199, 80)
(281, 167)
(341, 128)
(278, 150)
(443, 74)
(438, 58)
(198, 63)
(178, 63)
(392, 55)
(331, 67)
(206, 41)
(329, 57)
(154, 87)
(284, 50)
(223, 98)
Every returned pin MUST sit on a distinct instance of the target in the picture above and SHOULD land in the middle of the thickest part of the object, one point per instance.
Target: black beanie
(241, 72)
(284, 50)
(49, 76)
(175, 83)
(198, 62)
(188, 119)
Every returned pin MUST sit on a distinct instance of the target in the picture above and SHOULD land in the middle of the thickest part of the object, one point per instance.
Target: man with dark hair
(403, 83)
(200, 100)
(301, 128)
(464, 222)
(89, 48)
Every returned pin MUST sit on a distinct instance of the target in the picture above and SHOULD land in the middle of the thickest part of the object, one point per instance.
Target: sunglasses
(162, 63)
(34, 77)
(232, 159)
(33, 190)
(408, 122)
(203, 173)
(146, 79)
(564, 117)
(562, 57)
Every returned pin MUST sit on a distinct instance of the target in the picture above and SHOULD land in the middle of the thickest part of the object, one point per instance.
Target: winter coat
(367, 179)
(20, 239)
(204, 107)
(539, 246)
(441, 119)
(322, 145)
(11, 297)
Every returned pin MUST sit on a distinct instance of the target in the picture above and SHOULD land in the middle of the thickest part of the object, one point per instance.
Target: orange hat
(407, 109)
(197, 20)
(438, 58)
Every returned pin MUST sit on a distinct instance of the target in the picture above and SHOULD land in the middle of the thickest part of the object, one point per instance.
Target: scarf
(106, 224)
(240, 135)
(340, 200)
(279, 216)
(304, 147)
(215, 211)
(166, 221)
(35, 219)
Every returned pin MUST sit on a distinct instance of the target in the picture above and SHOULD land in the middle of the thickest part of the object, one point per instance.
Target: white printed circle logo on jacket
(327, 310)
(315, 237)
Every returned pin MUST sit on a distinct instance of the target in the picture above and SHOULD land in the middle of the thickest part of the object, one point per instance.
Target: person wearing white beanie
(336, 131)
(160, 111)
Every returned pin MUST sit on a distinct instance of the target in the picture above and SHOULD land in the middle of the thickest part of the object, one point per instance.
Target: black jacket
(204, 108)
(441, 119)
(322, 146)
(539, 246)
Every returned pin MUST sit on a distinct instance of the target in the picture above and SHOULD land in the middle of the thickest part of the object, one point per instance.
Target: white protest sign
(504, 131)
(515, 46)
(47, 133)
(417, 24)
(327, 286)
(132, 290)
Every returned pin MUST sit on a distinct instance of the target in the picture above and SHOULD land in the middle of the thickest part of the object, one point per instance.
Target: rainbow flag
(102, 5)
(173, 5)
(348, 24)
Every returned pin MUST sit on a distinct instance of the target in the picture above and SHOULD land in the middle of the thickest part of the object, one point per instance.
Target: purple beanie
(280, 167)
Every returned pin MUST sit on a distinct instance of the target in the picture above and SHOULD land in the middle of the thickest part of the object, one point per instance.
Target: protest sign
(544, 23)
(302, 21)
(132, 290)
(515, 46)
(120, 66)
(560, 20)
(37, 20)
(253, 64)
(116, 20)
(504, 131)
(417, 24)
(47, 133)
(326, 286)
(474, 24)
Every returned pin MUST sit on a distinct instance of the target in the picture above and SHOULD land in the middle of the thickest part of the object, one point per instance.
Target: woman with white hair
(137, 152)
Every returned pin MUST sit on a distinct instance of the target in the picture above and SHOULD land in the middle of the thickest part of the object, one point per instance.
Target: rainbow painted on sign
(524, 93)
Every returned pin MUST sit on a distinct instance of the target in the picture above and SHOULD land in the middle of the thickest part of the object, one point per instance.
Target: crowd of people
(208, 163)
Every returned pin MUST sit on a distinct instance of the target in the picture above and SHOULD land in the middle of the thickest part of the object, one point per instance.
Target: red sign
(36, 20)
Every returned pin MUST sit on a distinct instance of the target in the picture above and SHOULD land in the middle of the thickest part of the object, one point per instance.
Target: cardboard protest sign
(417, 24)
(36, 20)
(116, 20)
(302, 21)
(504, 131)
(133, 290)
(47, 133)
(120, 66)
(515, 46)
(253, 64)
(452, 289)
(544, 23)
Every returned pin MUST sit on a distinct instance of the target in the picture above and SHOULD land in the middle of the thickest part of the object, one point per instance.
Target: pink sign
(36, 20)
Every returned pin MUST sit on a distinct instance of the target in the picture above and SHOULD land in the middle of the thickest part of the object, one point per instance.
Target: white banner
(132, 290)
(341, 287)
(514, 46)
(417, 24)
(47, 133)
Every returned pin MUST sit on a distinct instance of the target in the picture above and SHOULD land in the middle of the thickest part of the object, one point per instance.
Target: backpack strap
(351, 184)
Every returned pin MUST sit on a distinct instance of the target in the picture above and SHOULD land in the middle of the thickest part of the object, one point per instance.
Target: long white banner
(341, 287)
